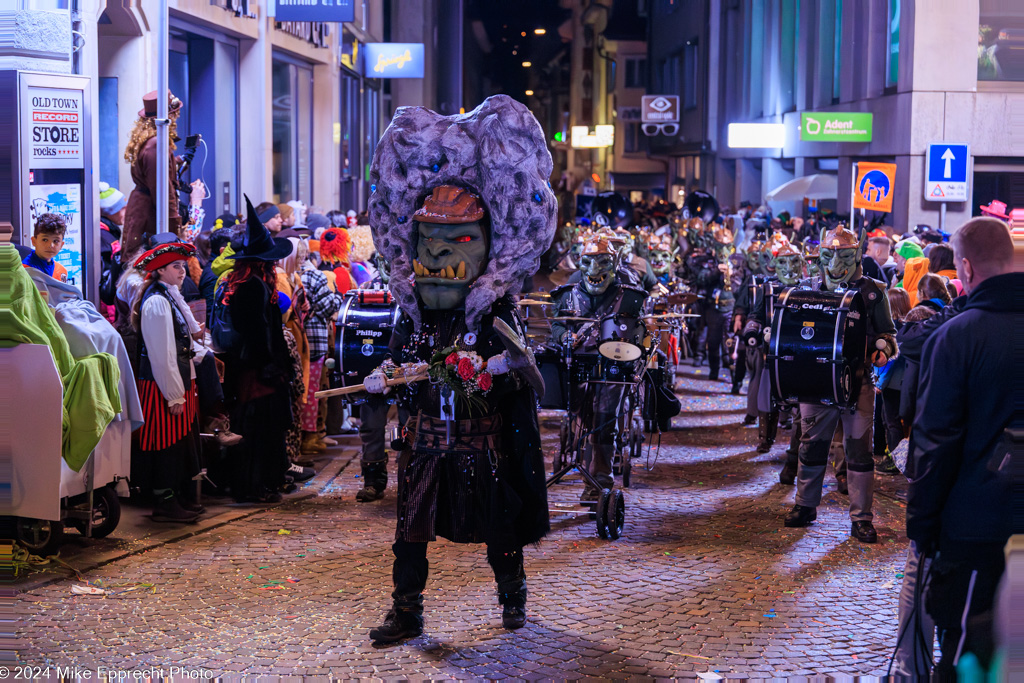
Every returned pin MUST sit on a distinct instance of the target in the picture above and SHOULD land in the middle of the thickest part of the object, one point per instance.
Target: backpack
(223, 334)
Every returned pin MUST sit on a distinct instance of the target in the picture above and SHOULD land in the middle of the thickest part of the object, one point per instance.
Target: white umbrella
(817, 186)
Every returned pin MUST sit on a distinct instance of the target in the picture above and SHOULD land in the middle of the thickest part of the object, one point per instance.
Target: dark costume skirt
(455, 490)
(161, 429)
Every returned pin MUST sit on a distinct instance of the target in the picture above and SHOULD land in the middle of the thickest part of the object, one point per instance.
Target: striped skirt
(161, 429)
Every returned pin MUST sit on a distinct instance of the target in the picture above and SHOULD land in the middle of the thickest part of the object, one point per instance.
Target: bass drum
(817, 346)
(365, 323)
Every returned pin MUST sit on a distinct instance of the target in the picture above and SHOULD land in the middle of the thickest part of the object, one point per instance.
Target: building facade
(945, 70)
(282, 108)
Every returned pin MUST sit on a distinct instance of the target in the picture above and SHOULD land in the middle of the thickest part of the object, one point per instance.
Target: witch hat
(258, 244)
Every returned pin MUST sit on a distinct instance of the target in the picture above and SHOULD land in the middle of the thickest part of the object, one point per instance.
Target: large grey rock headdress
(497, 151)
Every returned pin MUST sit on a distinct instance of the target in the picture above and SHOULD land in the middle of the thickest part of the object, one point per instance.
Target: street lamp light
(540, 31)
(529, 93)
(527, 65)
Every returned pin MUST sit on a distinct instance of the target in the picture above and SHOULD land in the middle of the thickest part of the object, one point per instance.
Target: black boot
(167, 509)
(513, 613)
(864, 532)
(801, 515)
(404, 620)
(788, 474)
(510, 576)
(375, 480)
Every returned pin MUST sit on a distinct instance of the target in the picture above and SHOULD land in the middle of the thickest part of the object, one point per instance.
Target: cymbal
(574, 319)
(682, 299)
(670, 316)
(530, 302)
(538, 295)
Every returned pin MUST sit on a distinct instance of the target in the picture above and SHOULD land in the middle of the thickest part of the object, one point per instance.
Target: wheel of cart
(39, 537)
(106, 512)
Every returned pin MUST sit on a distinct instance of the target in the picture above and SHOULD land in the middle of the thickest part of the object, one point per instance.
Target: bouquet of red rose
(465, 373)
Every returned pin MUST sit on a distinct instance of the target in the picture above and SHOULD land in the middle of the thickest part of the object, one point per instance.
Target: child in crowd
(48, 240)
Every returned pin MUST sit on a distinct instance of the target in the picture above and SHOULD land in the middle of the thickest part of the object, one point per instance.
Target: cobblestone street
(704, 579)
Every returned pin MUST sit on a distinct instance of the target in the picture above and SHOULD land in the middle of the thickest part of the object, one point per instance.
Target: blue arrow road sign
(946, 168)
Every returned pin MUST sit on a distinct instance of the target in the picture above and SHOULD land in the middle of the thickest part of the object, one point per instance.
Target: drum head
(620, 350)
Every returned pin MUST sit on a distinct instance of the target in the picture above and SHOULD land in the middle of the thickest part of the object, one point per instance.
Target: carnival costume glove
(376, 383)
(498, 365)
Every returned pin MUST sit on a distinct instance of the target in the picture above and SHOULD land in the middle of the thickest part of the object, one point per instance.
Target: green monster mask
(449, 259)
(813, 268)
(840, 257)
(754, 258)
(661, 260)
(789, 265)
(597, 265)
(452, 246)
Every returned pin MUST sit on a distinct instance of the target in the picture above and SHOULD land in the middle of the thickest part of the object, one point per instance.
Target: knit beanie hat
(112, 200)
(909, 250)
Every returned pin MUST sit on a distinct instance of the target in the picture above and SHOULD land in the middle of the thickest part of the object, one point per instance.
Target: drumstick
(356, 388)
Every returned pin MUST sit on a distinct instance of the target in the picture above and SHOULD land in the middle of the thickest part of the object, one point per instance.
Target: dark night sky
(504, 22)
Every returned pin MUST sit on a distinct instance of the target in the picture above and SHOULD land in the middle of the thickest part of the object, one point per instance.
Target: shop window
(636, 72)
(692, 74)
(292, 88)
(631, 138)
(109, 140)
(1000, 41)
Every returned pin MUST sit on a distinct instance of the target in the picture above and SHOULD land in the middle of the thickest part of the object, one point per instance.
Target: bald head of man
(982, 248)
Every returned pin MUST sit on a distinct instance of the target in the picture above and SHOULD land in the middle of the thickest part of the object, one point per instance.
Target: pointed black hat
(258, 243)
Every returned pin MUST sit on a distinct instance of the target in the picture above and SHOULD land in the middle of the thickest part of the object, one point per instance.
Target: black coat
(960, 496)
(911, 339)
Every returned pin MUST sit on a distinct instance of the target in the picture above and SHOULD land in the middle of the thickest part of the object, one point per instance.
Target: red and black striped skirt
(161, 429)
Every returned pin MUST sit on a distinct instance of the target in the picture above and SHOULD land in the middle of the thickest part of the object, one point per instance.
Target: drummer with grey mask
(840, 261)
(599, 293)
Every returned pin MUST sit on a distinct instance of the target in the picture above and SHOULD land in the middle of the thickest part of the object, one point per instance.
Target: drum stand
(610, 511)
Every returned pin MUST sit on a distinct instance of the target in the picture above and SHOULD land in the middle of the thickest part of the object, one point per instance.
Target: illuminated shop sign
(393, 60)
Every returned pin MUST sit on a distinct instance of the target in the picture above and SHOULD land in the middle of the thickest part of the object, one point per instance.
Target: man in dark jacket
(958, 507)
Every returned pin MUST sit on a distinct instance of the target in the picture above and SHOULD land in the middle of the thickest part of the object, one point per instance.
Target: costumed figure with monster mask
(462, 210)
(715, 285)
(788, 265)
(840, 261)
(602, 291)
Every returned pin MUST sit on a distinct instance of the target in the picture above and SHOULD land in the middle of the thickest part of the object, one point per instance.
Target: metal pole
(853, 191)
(942, 217)
(162, 124)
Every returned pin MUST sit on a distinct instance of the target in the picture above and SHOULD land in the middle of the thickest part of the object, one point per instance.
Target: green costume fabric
(222, 264)
(91, 399)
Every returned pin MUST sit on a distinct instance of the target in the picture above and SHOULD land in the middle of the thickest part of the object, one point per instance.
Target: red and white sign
(52, 127)
(660, 109)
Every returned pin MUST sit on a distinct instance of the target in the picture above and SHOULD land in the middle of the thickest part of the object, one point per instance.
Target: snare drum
(621, 338)
(365, 323)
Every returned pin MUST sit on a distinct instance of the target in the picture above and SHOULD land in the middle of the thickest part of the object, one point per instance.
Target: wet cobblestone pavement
(705, 580)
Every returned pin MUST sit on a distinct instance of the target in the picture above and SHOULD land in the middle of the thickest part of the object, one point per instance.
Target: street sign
(830, 126)
(660, 109)
(946, 166)
(874, 186)
(338, 11)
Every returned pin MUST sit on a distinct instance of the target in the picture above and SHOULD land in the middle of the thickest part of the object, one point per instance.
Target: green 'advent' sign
(836, 127)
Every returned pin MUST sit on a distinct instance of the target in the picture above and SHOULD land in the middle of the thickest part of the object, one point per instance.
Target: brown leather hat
(840, 237)
(149, 103)
(599, 244)
(450, 205)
